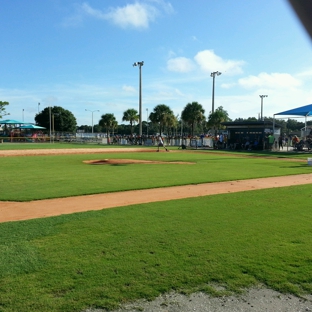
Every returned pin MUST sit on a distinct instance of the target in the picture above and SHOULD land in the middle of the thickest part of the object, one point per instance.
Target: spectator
(280, 142)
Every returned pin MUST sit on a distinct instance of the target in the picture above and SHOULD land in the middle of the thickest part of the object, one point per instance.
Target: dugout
(253, 131)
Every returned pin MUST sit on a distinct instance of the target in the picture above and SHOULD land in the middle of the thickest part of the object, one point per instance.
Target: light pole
(140, 64)
(53, 131)
(213, 75)
(23, 114)
(50, 123)
(38, 108)
(92, 115)
(262, 96)
(147, 121)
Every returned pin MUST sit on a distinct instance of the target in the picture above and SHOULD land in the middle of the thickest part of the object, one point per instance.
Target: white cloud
(166, 6)
(136, 15)
(86, 8)
(306, 74)
(228, 85)
(178, 92)
(270, 81)
(128, 89)
(171, 54)
(180, 64)
(209, 62)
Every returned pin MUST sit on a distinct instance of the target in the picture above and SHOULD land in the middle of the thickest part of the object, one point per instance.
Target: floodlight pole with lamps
(38, 108)
(262, 96)
(97, 110)
(23, 114)
(140, 64)
(213, 75)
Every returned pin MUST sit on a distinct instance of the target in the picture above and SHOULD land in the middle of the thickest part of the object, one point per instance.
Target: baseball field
(182, 221)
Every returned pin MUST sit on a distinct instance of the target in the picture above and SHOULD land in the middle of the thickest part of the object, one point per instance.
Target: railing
(188, 142)
(24, 139)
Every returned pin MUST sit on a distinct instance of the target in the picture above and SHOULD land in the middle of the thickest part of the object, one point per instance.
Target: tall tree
(294, 125)
(62, 120)
(132, 116)
(192, 114)
(109, 122)
(171, 122)
(162, 116)
(217, 117)
(114, 125)
(2, 108)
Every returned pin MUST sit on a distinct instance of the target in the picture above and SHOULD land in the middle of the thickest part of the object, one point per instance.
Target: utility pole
(140, 64)
(213, 75)
(262, 96)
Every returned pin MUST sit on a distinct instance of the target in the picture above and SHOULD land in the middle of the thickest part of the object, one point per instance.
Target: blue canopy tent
(299, 111)
(303, 111)
(11, 121)
(31, 127)
(7, 122)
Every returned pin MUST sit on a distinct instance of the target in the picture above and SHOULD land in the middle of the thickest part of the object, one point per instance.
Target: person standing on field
(280, 142)
(271, 141)
(161, 143)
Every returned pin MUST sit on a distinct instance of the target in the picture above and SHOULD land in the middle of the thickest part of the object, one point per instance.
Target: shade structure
(31, 127)
(11, 121)
(302, 111)
(299, 111)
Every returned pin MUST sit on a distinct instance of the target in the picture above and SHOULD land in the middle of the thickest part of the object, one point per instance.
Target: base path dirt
(12, 211)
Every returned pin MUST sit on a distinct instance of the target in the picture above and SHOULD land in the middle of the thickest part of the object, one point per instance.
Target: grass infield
(56, 145)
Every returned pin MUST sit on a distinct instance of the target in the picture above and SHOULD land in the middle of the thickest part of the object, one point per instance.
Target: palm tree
(215, 119)
(114, 125)
(132, 116)
(193, 113)
(171, 122)
(108, 121)
(161, 115)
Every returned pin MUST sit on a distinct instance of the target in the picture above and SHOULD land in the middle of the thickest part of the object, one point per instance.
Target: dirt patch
(65, 151)
(133, 161)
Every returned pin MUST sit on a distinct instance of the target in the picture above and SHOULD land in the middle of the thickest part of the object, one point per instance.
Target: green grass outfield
(57, 145)
(104, 258)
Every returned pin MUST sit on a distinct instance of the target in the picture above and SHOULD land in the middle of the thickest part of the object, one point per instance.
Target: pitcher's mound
(132, 161)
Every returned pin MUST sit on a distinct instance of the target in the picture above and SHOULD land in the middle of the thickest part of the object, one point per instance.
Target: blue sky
(79, 55)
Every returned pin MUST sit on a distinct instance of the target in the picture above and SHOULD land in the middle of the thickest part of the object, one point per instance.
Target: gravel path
(252, 300)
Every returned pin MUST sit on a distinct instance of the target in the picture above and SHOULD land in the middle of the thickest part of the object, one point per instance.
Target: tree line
(161, 120)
